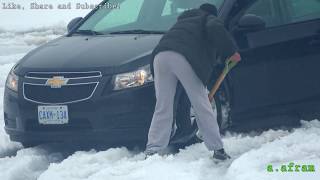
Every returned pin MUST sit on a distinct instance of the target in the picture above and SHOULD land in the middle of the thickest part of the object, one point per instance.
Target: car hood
(108, 54)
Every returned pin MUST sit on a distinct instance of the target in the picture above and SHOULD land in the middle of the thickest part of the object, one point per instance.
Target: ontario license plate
(53, 114)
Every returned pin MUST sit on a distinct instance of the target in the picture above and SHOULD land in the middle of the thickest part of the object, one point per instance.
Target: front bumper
(109, 116)
(112, 136)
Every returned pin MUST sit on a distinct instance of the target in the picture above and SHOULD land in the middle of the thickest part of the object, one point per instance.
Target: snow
(12, 19)
(251, 152)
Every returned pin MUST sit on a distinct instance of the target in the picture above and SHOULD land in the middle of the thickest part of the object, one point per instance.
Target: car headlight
(12, 81)
(133, 79)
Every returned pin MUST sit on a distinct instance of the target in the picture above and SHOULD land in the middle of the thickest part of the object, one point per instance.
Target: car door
(279, 73)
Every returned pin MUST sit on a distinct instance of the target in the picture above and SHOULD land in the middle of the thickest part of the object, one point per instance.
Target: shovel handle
(228, 66)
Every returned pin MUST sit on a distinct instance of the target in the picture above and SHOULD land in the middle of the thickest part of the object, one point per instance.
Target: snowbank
(27, 18)
(15, 42)
(252, 155)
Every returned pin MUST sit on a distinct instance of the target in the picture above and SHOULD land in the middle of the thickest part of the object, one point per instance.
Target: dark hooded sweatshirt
(200, 38)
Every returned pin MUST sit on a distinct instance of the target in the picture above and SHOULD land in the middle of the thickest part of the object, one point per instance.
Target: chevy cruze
(94, 84)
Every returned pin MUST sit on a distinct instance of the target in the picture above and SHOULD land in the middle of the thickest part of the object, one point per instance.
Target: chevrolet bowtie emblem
(57, 82)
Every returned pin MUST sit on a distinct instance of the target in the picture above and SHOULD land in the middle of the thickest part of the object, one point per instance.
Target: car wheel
(185, 128)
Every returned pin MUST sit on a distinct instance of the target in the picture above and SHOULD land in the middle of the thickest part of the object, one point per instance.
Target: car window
(173, 8)
(130, 11)
(267, 10)
(178, 6)
(127, 12)
(301, 10)
(152, 15)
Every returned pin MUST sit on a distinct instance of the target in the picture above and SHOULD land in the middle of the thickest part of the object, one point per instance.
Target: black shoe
(221, 155)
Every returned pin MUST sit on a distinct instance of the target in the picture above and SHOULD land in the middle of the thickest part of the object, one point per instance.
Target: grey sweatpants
(169, 68)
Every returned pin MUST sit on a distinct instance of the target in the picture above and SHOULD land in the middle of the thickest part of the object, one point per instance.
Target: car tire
(185, 128)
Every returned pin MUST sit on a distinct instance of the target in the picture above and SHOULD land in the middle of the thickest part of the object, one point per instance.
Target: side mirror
(73, 23)
(251, 23)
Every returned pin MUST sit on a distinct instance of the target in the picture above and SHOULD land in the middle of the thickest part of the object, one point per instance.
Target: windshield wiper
(138, 31)
(88, 32)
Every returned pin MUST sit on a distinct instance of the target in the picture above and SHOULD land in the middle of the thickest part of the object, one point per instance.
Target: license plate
(53, 114)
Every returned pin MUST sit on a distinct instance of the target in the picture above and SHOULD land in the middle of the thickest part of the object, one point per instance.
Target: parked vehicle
(94, 84)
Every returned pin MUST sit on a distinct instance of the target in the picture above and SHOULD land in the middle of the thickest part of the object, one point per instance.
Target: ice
(251, 152)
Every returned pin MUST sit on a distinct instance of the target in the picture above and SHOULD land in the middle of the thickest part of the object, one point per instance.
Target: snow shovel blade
(228, 66)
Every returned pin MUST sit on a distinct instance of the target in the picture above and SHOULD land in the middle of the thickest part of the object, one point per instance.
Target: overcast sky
(29, 18)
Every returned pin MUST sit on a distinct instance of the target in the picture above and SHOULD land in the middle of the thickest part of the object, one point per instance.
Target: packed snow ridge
(251, 153)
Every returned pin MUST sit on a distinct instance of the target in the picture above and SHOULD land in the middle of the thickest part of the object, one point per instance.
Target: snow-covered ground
(13, 19)
(251, 152)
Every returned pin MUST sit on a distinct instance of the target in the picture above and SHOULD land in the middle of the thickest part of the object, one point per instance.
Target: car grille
(46, 94)
(79, 87)
(64, 74)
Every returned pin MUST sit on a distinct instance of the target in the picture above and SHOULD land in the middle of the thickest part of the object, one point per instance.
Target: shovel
(228, 66)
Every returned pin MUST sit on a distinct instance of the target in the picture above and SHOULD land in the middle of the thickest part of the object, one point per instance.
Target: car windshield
(138, 16)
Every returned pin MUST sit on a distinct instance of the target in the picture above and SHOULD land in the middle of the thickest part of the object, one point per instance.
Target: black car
(94, 84)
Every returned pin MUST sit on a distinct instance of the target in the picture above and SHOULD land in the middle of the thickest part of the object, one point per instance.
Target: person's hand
(235, 58)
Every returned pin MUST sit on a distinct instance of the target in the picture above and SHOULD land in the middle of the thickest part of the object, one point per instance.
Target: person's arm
(222, 40)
